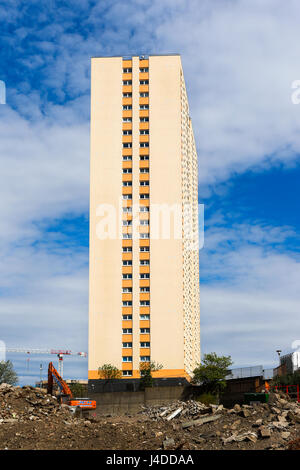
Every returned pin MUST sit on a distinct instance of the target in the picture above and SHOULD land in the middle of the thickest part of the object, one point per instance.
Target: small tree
(146, 369)
(7, 373)
(212, 372)
(109, 372)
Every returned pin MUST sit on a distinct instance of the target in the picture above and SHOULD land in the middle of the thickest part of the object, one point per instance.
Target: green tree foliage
(7, 373)
(212, 372)
(146, 369)
(109, 372)
(78, 390)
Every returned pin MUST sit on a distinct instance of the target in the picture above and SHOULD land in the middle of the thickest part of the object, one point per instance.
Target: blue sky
(240, 59)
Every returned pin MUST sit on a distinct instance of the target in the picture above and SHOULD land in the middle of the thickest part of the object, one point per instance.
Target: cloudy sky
(240, 59)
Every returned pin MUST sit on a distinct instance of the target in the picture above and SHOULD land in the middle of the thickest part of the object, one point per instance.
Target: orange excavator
(66, 396)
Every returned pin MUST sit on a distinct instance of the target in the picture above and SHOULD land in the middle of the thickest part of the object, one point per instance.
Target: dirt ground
(33, 420)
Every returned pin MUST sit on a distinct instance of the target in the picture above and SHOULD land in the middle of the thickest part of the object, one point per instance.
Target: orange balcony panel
(127, 269)
(126, 101)
(126, 242)
(127, 126)
(127, 296)
(144, 255)
(128, 352)
(126, 282)
(127, 323)
(144, 125)
(145, 296)
(144, 311)
(127, 229)
(127, 76)
(144, 242)
(127, 177)
(144, 282)
(143, 163)
(144, 338)
(144, 229)
(144, 113)
(127, 217)
(144, 269)
(144, 177)
(127, 365)
(144, 88)
(143, 100)
(127, 113)
(144, 63)
(127, 138)
(127, 190)
(145, 202)
(144, 215)
(143, 138)
(126, 338)
(127, 64)
(144, 151)
(127, 89)
(127, 151)
(127, 164)
(144, 352)
(126, 256)
(144, 189)
(127, 203)
(144, 76)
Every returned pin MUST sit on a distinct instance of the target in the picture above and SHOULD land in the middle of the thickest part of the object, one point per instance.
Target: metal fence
(244, 372)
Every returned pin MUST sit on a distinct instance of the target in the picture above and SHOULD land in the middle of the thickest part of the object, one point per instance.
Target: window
(145, 248)
(127, 276)
(126, 223)
(144, 157)
(144, 331)
(144, 303)
(144, 132)
(127, 196)
(145, 317)
(127, 345)
(127, 70)
(145, 289)
(127, 249)
(143, 144)
(127, 106)
(145, 276)
(127, 132)
(144, 235)
(127, 373)
(128, 145)
(144, 222)
(127, 82)
(144, 262)
(127, 119)
(127, 158)
(127, 94)
(144, 94)
(126, 183)
(144, 170)
(143, 106)
(144, 183)
(127, 303)
(127, 358)
(127, 317)
(145, 344)
(142, 82)
(144, 209)
(127, 170)
(127, 236)
(144, 119)
(144, 69)
(144, 196)
(127, 331)
(145, 358)
(127, 262)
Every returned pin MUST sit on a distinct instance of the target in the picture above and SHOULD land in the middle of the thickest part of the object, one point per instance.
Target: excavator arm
(53, 374)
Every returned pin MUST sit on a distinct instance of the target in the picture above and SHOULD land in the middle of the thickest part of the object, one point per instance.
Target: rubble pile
(178, 408)
(28, 404)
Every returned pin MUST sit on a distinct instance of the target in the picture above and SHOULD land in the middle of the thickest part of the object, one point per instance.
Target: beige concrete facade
(154, 133)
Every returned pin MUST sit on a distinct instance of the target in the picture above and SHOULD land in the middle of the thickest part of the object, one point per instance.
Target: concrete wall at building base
(131, 402)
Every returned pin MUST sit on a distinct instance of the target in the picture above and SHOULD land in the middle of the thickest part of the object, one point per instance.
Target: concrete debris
(168, 443)
(200, 421)
(174, 414)
(189, 408)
